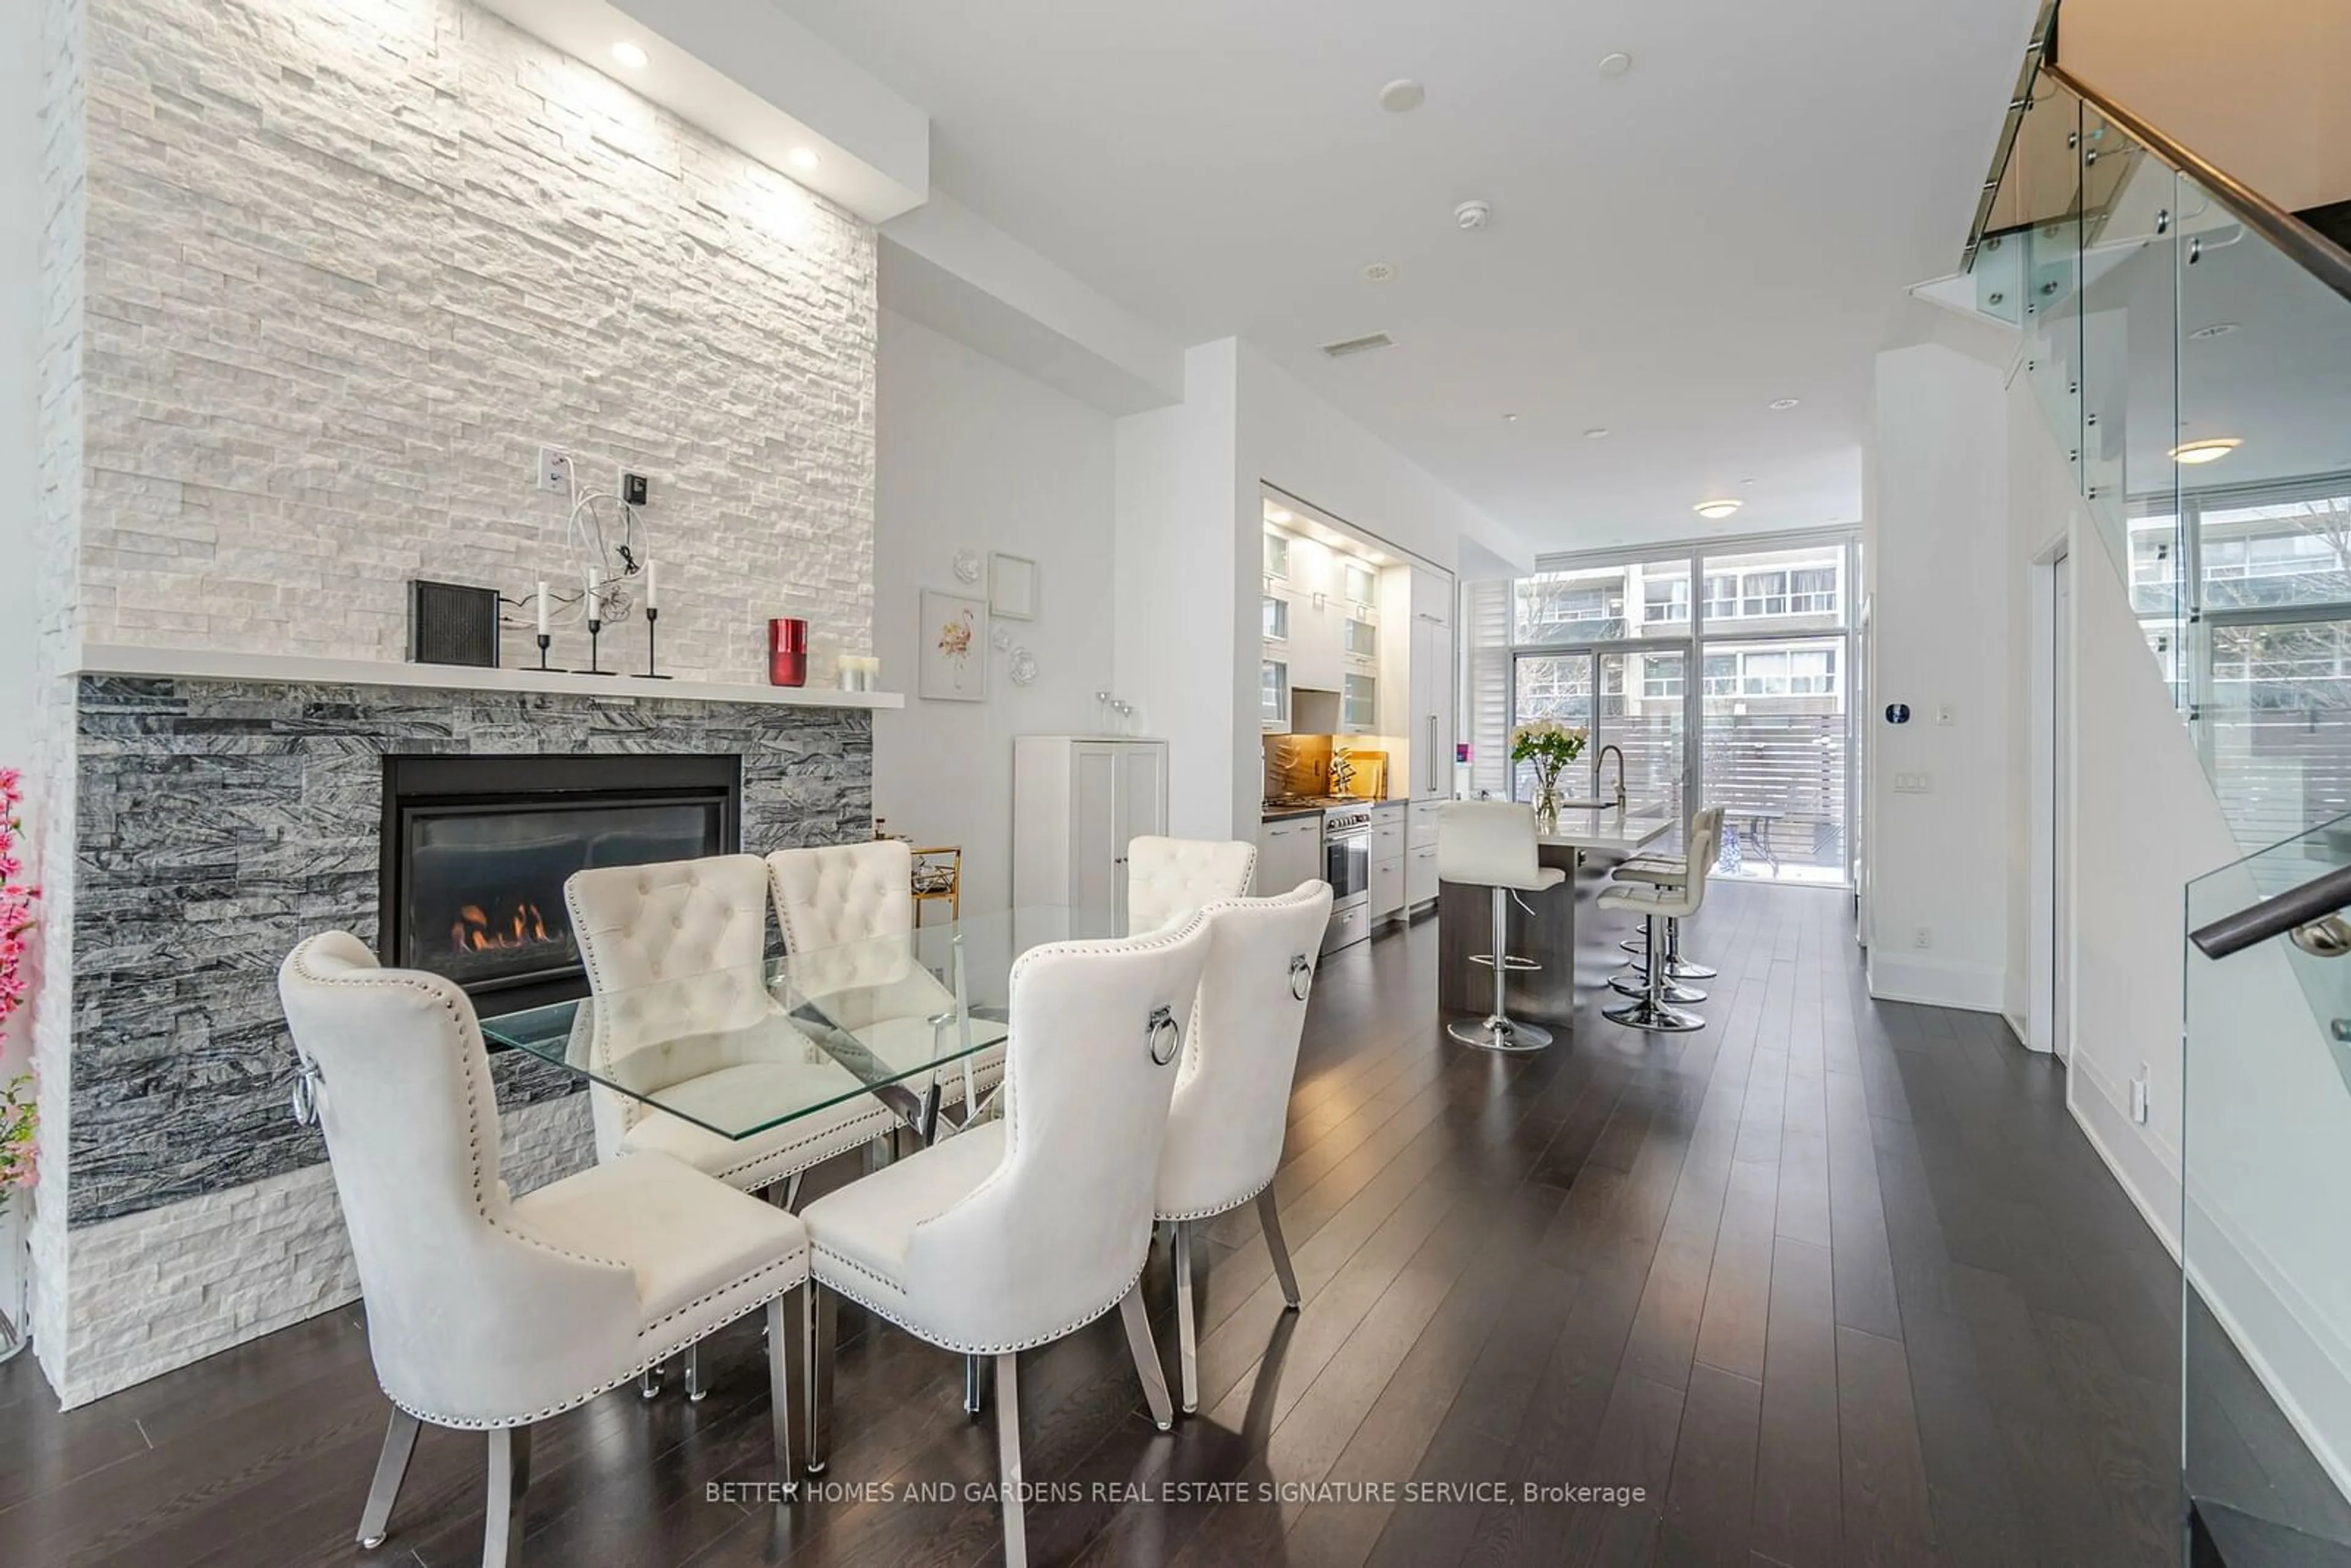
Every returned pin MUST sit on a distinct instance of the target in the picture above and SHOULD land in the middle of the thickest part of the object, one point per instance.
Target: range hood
(1313, 711)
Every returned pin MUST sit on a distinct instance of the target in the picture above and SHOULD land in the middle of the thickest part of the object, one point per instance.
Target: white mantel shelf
(211, 664)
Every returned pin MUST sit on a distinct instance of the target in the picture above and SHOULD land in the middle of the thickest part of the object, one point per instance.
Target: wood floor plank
(1831, 1280)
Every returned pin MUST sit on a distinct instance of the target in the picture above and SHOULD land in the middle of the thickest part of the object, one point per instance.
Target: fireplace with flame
(476, 850)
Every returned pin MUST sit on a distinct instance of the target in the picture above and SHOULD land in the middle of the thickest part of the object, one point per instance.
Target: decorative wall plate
(968, 566)
(1002, 638)
(1024, 667)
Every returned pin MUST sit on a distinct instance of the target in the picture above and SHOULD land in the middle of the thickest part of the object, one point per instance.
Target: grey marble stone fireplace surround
(219, 821)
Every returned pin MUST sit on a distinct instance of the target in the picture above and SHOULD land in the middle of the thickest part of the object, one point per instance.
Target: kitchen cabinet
(1420, 824)
(1387, 888)
(1274, 694)
(1077, 802)
(1420, 875)
(1359, 704)
(1288, 852)
(1430, 740)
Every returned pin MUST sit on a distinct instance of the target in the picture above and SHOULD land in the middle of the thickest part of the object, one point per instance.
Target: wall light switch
(2139, 1098)
(1943, 714)
(1914, 783)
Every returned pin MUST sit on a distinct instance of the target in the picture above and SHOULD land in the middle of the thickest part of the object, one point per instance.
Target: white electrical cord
(588, 545)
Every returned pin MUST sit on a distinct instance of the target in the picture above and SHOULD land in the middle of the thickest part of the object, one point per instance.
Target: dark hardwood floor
(1830, 1281)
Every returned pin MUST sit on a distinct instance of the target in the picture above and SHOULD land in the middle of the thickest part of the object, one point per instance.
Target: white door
(1097, 848)
(2060, 752)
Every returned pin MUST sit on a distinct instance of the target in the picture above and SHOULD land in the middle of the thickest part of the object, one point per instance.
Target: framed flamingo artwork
(953, 652)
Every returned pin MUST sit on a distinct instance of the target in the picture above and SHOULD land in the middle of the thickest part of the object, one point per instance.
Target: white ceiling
(1732, 221)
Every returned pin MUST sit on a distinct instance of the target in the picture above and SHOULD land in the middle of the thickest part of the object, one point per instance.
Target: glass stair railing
(2189, 345)
(2265, 1160)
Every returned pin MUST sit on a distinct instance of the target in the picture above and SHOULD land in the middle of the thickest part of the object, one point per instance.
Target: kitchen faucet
(1600, 756)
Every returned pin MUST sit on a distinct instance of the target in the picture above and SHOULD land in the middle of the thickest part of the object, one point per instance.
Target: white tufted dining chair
(486, 1311)
(673, 952)
(1024, 1231)
(1167, 879)
(840, 906)
(1232, 1097)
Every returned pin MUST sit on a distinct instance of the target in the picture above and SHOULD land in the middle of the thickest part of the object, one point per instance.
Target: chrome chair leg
(1146, 1356)
(820, 1328)
(694, 1391)
(509, 1479)
(1269, 1218)
(975, 1397)
(791, 1195)
(391, 1470)
(787, 1375)
(1187, 1327)
(649, 1382)
(1007, 1458)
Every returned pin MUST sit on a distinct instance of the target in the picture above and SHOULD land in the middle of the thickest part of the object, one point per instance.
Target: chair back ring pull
(1302, 976)
(304, 1101)
(1162, 1027)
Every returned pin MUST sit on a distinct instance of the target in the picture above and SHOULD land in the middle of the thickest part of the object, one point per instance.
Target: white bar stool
(1658, 870)
(1653, 1010)
(1491, 844)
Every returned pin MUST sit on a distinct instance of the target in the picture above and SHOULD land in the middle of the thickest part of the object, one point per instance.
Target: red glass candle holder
(787, 652)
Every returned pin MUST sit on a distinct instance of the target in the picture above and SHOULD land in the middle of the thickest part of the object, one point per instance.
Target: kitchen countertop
(1273, 814)
(1611, 829)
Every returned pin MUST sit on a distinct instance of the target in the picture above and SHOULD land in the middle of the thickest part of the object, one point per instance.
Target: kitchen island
(1542, 924)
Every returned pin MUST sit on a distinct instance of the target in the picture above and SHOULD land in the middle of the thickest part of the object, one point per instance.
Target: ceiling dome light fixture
(1616, 63)
(804, 157)
(1378, 272)
(1402, 96)
(1783, 403)
(632, 55)
(2196, 452)
(2217, 329)
(1715, 511)
(1510, 419)
(1472, 215)
(1595, 433)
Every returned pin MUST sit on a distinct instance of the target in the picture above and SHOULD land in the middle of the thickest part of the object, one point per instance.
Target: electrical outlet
(1922, 938)
(1914, 783)
(1943, 715)
(2138, 1097)
(554, 469)
(635, 488)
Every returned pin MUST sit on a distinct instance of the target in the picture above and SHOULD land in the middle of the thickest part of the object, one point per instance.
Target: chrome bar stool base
(1499, 1033)
(1636, 984)
(1654, 1016)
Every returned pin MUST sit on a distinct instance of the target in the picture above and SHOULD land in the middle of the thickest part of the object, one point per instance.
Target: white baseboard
(1900, 977)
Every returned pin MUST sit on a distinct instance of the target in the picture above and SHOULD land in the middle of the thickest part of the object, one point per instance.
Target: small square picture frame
(1012, 586)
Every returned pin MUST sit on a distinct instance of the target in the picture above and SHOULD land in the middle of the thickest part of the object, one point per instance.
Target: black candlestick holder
(653, 659)
(595, 631)
(543, 640)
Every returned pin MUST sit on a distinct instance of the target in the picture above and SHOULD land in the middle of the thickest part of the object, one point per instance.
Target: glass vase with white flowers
(1549, 746)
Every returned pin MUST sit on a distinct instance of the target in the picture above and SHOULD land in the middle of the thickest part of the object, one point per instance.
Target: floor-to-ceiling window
(1723, 674)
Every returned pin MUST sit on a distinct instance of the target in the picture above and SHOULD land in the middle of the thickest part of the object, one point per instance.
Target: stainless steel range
(1347, 867)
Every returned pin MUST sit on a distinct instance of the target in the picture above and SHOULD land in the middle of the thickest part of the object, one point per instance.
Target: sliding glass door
(1634, 700)
(1725, 673)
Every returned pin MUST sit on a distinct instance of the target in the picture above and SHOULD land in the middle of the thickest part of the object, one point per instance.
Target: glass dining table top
(738, 1051)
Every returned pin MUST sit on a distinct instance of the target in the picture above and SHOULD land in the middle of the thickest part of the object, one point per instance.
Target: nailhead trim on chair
(928, 1338)
(473, 1144)
(1167, 936)
(1224, 1208)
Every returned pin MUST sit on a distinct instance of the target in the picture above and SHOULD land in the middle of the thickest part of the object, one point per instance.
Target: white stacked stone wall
(351, 262)
(322, 276)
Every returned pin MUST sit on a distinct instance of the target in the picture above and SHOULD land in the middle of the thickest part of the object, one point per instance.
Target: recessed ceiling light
(804, 157)
(1616, 63)
(1274, 514)
(1402, 95)
(631, 55)
(2217, 329)
(1378, 272)
(1595, 433)
(1510, 419)
(1783, 403)
(2205, 451)
(1715, 511)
